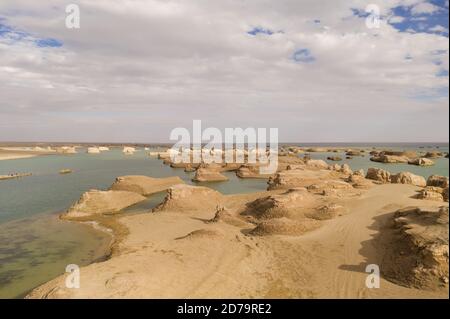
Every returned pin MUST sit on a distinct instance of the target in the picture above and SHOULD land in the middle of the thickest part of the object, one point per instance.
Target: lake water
(35, 246)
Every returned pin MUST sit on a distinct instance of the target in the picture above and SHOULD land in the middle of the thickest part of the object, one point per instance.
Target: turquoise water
(35, 246)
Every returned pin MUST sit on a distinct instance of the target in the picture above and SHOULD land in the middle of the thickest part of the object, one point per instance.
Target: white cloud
(396, 19)
(424, 8)
(438, 28)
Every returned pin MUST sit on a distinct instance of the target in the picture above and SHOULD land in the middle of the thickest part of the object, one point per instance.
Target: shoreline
(12, 153)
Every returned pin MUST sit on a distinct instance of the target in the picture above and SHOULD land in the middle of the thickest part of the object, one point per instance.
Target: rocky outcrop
(345, 169)
(354, 153)
(419, 248)
(209, 175)
(433, 154)
(408, 178)
(431, 193)
(128, 150)
(95, 202)
(421, 162)
(93, 150)
(318, 164)
(184, 197)
(379, 175)
(66, 150)
(357, 180)
(334, 158)
(316, 150)
(331, 188)
(144, 185)
(389, 159)
(438, 181)
(335, 167)
(289, 160)
(408, 154)
(288, 204)
(296, 178)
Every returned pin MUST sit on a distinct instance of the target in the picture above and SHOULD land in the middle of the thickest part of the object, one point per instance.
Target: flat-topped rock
(296, 178)
(187, 197)
(332, 188)
(96, 202)
(408, 178)
(422, 161)
(389, 159)
(433, 154)
(144, 185)
(250, 171)
(209, 175)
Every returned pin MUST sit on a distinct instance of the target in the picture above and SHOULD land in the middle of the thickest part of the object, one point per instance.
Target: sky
(136, 69)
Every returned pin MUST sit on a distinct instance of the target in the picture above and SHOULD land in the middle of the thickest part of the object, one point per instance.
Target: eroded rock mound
(408, 178)
(357, 180)
(284, 226)
(421, 162)
(438, 181)
(379, 175)
(96, 202)
(331, 188)
(187, 197)
(328, 211)
(288, 204)
(296, 178)
(223, 215)
(144, 185)
(250, 171)
(334, 158)
(383, 158)
(433, 154)
(433, 193)
(419, 255)
(209, 175)
(318, 164)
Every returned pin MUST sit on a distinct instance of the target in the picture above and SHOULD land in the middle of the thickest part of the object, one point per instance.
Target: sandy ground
(11, 153)
(11, 156)
(174, 254)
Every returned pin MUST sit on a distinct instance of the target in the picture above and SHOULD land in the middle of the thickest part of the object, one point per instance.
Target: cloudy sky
(136, 69)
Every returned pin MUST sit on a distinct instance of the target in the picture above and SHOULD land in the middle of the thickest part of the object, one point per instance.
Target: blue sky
(13, 34)
(433, 22)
